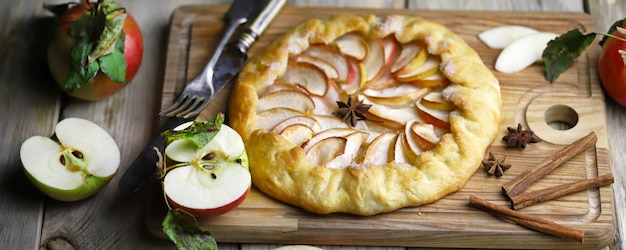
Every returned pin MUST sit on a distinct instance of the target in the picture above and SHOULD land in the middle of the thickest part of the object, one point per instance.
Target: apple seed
(208, 167)
(209, 156)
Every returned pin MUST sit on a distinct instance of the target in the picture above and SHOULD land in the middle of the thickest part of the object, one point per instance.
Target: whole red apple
(612, 66)
(101, 62)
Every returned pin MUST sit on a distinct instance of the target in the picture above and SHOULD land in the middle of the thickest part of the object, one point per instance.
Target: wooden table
(32, 105)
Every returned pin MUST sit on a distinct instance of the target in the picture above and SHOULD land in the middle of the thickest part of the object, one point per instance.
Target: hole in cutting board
(561, 117)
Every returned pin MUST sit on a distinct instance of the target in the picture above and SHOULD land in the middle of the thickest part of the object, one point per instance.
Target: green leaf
(618, 23)
(562, 52)
(99, 45)
(182, 229)
(200, 132)
(81, 70)
(114, 64)
(111, 22)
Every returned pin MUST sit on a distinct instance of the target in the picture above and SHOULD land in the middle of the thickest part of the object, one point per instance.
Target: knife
(229, 58)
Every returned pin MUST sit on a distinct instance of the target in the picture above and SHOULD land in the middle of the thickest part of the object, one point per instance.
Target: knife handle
(144, 166)
(254, 29)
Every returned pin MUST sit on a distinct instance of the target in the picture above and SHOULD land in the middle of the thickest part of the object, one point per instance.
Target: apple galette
(365, 114)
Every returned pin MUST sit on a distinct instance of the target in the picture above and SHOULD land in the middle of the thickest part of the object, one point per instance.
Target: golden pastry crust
(280, 168)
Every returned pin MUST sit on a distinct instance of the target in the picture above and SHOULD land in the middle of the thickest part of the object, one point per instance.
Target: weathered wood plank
(30, 106)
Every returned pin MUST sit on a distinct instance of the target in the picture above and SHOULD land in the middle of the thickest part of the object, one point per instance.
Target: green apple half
(208, 180)
(81, 162)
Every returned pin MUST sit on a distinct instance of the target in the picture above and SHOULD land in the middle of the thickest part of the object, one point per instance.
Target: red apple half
(210, 180)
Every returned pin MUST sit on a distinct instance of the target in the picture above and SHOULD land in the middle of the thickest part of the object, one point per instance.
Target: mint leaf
(114, 64)
(562, 52)
(615, 25)
(200, 132)
(182, 229)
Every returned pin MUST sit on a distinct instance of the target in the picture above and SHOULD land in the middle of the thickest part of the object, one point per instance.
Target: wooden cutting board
(559, 113)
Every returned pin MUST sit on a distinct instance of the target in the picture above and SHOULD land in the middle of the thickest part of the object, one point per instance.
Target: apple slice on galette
(365, 114)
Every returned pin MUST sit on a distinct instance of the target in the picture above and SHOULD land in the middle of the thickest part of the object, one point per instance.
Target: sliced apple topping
(435, 100)
(307, 76)
(352, 150)
(286, 99)
(398, 111)
(268, 119)
(328, 69)
(380, 151)
(439, 118)
(428, 68)
(333, 57)
(400, 95)
(297, 133)
(299, 119)
(412, 56)
(325, 150)
(352, 45)
(375, 60)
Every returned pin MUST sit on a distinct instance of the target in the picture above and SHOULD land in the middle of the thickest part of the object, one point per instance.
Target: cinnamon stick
(531, 198)
(528, 221)
(520, 183)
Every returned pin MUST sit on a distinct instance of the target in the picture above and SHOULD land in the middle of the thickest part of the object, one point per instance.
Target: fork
(198, 93)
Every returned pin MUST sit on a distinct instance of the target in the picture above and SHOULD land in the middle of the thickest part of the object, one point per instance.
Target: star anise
(495, 166)
(517, 138)
(352, 112)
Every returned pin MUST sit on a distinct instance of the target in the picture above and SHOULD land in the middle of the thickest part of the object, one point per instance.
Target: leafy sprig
(200, 132)
(563, 51)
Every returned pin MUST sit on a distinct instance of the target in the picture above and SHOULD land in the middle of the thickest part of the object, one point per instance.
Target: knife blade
(229, 59)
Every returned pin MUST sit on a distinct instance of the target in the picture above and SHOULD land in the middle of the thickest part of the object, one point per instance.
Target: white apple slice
(356, 77)
(398, 116)
(412, 56)
(212, 182)
(307, 76)
(352, 45)
(354, 142)
(375, 60)
(428, 68)
(380, 150)
(501, 36)
(300, 119)
(297, 133)
(268, 119)
(436, 117)
(280, 85)
(390, 48)
(436, 80)
(84, 160)
(325, 150)
(333, 132)
(426, 138)
(523, 52)
(327, 122)
(435, 100)
(411, 138)
(327, 103)
(402, 153)
(325, 66)
(333, 57)
(396, 96)
(286, 99)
